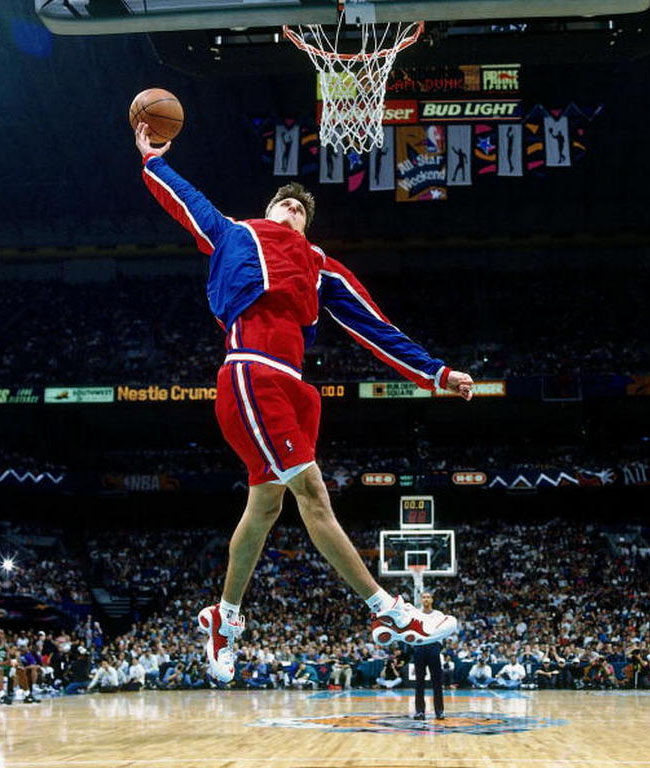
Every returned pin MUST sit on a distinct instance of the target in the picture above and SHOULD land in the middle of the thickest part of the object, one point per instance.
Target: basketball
(160, 110)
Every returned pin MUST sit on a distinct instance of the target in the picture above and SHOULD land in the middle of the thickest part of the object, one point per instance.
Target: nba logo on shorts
(289, 445)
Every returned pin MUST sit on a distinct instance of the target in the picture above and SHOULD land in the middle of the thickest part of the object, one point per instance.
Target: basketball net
(417, 574)
(353, 85)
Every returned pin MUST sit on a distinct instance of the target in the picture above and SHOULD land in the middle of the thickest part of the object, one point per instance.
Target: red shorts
(269, 417)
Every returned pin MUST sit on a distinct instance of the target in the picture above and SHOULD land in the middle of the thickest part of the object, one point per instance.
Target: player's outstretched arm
(178, 197)
(351, 306)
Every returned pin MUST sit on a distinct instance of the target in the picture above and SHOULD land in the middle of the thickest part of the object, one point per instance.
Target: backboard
(87, 17)
(400, 550)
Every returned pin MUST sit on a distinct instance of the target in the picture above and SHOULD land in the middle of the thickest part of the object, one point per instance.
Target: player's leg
(396, 620)
(222, 621)
(262, 510)
(326, 533)
(420, 674)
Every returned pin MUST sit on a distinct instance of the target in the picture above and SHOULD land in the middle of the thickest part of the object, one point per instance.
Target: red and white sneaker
(220, 646)
(405, 623)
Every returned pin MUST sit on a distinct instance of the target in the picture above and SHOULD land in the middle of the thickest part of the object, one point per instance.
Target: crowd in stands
(557, 601)
(159, 330)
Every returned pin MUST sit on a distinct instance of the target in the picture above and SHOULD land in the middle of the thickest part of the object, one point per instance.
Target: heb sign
(471, 110)
(469, 478)
(378, 478)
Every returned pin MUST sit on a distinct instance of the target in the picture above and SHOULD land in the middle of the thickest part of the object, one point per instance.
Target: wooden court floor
(357, 729)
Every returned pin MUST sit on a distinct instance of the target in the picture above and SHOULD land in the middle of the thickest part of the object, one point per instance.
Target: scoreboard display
(416, 512)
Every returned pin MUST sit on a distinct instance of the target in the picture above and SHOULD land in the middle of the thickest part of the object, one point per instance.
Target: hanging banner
(459, 155)
(382, 163)
(558, 153)
(331, 166)
(485, 148)
(421, 159)
(510, 159)
(287, 146)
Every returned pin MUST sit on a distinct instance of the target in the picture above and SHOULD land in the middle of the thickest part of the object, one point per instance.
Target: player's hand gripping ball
(161, 111)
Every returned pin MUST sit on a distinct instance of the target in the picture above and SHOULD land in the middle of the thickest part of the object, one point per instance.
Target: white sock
(229, 611)
(380, 601)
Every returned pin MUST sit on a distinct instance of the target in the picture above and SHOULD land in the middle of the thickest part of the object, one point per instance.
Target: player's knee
(312, 491)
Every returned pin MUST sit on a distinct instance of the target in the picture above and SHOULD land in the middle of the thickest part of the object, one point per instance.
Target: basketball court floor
(337, 729)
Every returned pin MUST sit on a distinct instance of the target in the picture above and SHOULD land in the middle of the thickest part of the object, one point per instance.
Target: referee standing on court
(428, 656)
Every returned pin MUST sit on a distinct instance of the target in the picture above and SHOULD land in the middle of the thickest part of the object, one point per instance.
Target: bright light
(8, 564)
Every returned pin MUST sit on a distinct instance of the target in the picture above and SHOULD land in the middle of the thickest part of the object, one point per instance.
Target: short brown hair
(298, 192)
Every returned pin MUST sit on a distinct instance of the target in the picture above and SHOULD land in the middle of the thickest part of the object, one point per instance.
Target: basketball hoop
(417, 574)
(353, 85)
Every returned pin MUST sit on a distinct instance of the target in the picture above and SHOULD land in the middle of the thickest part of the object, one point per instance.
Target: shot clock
(416, 512)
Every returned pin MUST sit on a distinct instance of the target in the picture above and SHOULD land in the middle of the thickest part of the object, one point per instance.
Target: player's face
(291, 213)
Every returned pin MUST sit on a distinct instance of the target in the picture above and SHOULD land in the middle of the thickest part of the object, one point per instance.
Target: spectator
(390, 675)
(480, 675)
(546, 676)
(511, 675)
(105, 678)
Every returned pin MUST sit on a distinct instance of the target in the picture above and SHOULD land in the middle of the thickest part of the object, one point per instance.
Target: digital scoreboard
(416, 512)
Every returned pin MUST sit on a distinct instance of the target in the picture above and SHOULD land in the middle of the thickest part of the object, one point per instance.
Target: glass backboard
(86, 17)
(433, 551)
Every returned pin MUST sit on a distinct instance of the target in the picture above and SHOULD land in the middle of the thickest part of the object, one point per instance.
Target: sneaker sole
(220, 672)
(385, 635)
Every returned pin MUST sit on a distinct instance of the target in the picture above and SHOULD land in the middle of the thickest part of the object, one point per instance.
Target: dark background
(70, 183)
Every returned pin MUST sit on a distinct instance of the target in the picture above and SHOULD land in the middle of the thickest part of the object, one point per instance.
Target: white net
(353, 85)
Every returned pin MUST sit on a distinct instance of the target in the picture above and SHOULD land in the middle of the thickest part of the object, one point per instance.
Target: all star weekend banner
(421, 163)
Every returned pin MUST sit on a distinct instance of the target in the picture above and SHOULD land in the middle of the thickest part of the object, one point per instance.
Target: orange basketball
(160, 110)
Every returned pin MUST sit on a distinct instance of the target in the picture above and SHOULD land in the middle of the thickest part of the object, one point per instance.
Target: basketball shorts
(268, 415)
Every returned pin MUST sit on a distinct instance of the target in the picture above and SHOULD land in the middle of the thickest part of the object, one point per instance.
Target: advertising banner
(466, 110)
(400, 390)
(157, 394)
(56, 395)
(19, 396)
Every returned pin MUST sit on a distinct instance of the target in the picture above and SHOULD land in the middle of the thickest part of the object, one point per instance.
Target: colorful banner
(421, 158)
(382, 163)
(510, 155)
(558, 142)
(485, 148)
(331, 166)
(459, 155)
(287, 150)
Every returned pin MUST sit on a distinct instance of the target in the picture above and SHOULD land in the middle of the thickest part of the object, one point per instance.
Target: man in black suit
(428, 657)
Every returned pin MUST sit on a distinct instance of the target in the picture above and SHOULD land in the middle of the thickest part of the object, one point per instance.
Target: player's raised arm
(178, 197)
(350, 304)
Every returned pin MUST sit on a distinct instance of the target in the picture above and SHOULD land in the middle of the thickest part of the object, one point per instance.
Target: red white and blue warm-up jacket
(267, 284)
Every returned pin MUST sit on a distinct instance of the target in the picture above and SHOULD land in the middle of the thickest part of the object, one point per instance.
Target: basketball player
(266, 286)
